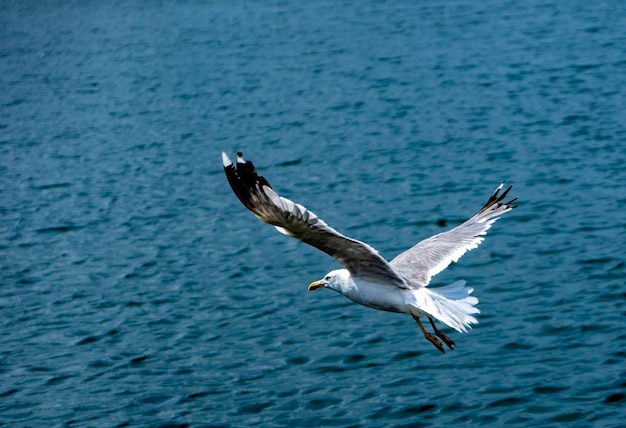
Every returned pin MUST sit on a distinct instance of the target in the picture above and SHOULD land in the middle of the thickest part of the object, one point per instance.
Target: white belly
(381, 297)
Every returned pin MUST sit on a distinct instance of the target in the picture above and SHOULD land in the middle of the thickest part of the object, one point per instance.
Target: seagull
(400, 285)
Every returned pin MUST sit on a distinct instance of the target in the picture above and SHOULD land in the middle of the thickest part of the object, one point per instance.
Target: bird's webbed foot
(449, 342)
(432, 339)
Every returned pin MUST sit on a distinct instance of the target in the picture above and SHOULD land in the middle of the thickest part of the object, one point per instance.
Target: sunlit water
(135, 290)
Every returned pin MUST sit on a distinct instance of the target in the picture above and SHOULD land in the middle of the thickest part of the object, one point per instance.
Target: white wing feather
(429, 257)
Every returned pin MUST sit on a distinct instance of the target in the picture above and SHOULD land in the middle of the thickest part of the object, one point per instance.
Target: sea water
(135, 289)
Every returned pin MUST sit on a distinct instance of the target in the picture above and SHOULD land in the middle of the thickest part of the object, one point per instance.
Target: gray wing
(429, 257)
(296, 221)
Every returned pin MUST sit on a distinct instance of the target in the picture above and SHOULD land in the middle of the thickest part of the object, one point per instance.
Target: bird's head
(335, 280)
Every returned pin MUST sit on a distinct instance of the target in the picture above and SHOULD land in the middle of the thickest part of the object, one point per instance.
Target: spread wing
(430, 256)
(296, 221)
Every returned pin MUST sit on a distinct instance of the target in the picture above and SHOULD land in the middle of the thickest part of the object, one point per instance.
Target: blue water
(135, 290)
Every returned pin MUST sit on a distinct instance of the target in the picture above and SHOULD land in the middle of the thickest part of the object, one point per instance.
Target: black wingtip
(497, 198)
(503, 196)
(244, 180)
(508, 204)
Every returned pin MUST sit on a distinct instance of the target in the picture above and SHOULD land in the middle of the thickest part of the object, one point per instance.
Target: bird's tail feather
(451, 304)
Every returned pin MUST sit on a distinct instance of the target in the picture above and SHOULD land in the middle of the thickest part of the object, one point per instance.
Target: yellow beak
(315, 285)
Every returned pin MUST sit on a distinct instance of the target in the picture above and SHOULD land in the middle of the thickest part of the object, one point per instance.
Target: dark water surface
(135, 290)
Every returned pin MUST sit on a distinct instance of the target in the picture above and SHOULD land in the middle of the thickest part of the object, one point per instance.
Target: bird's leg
(432, 339)
(442, 336)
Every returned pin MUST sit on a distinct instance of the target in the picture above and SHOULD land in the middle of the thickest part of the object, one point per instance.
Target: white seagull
(368, 279)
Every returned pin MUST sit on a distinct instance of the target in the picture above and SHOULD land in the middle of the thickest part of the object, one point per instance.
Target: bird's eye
(327, 278)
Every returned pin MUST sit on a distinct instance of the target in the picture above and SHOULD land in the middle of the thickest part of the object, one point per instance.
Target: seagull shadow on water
(400, 285)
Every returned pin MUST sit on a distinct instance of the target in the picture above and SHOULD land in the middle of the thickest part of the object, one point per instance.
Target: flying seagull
(367, 278)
